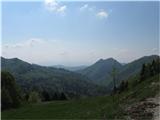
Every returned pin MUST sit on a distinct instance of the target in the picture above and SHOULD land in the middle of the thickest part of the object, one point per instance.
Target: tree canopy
(10, 96)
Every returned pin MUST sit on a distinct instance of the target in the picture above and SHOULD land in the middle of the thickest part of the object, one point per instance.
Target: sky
(79, 33)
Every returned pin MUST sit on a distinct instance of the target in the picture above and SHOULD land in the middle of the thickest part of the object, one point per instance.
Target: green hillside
(134, 67)
(39, 78)
(100, 72)
(91, 108)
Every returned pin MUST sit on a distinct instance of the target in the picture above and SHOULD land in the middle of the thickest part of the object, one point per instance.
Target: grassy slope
(98, 107)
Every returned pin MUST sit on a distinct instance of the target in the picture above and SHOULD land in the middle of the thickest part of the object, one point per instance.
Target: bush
(34, 97)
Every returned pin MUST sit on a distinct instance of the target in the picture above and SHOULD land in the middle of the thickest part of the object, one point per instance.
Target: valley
(112, 107)
(84, 98)
(80, 60)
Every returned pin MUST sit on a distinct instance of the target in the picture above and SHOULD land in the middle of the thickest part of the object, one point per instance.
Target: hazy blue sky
(77, 33)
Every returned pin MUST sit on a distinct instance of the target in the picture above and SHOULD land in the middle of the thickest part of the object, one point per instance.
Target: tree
(10, 94)
(6, 99)
(55, 97)
(46, 96)
(143, 72)
(123, 86)
(63, 96)
(34, 97)
(150, 69)
(126, 85)
(157, 66)
(114, 74)
(26, 96)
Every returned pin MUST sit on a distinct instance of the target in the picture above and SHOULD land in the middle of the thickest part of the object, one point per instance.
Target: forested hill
(89, 82)
(135, 66)
(100, 72)
(134, 102)
(34, 77)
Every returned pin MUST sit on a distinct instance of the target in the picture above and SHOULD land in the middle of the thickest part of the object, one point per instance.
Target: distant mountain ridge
(84, 82)
(100, 71)
(31, 76)
(70, 68)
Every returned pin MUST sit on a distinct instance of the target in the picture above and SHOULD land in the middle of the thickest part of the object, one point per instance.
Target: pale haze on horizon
(79, 33)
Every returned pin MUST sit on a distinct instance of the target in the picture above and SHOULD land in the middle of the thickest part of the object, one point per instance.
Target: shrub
(34, 97)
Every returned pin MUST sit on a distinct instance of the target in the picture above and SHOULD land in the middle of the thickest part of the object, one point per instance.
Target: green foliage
(123, 86)
(45, 96)
(150, 69)
(100, 72)
(106, 107)
(114, 77)
(10, 94)
(34, 97)
(143, 72)
(55, 96)
(32, 77)
(133, 68)
(89, 108)
(6, 99)
(63, 96)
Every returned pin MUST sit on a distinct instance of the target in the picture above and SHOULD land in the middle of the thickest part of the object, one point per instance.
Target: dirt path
(156, 115)
(147, 109)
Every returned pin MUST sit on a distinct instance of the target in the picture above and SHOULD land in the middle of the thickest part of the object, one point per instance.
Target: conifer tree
(142, 73)
(114, 74)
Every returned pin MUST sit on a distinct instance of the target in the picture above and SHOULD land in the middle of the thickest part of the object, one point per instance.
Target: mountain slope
(134, 67)
(100, 72)
(33, 77)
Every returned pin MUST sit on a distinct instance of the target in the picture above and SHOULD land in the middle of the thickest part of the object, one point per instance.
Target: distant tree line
(36, 96)
(150, 69)
(12, 96)
(56, 96)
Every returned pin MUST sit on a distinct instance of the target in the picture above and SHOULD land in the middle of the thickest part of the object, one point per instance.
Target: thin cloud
(29, 43)
(41, 51)
(84, 7)
(102, 14)
(62, 9)
(35, 50)
(154, 49)
(64, 53)
(54, 6)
